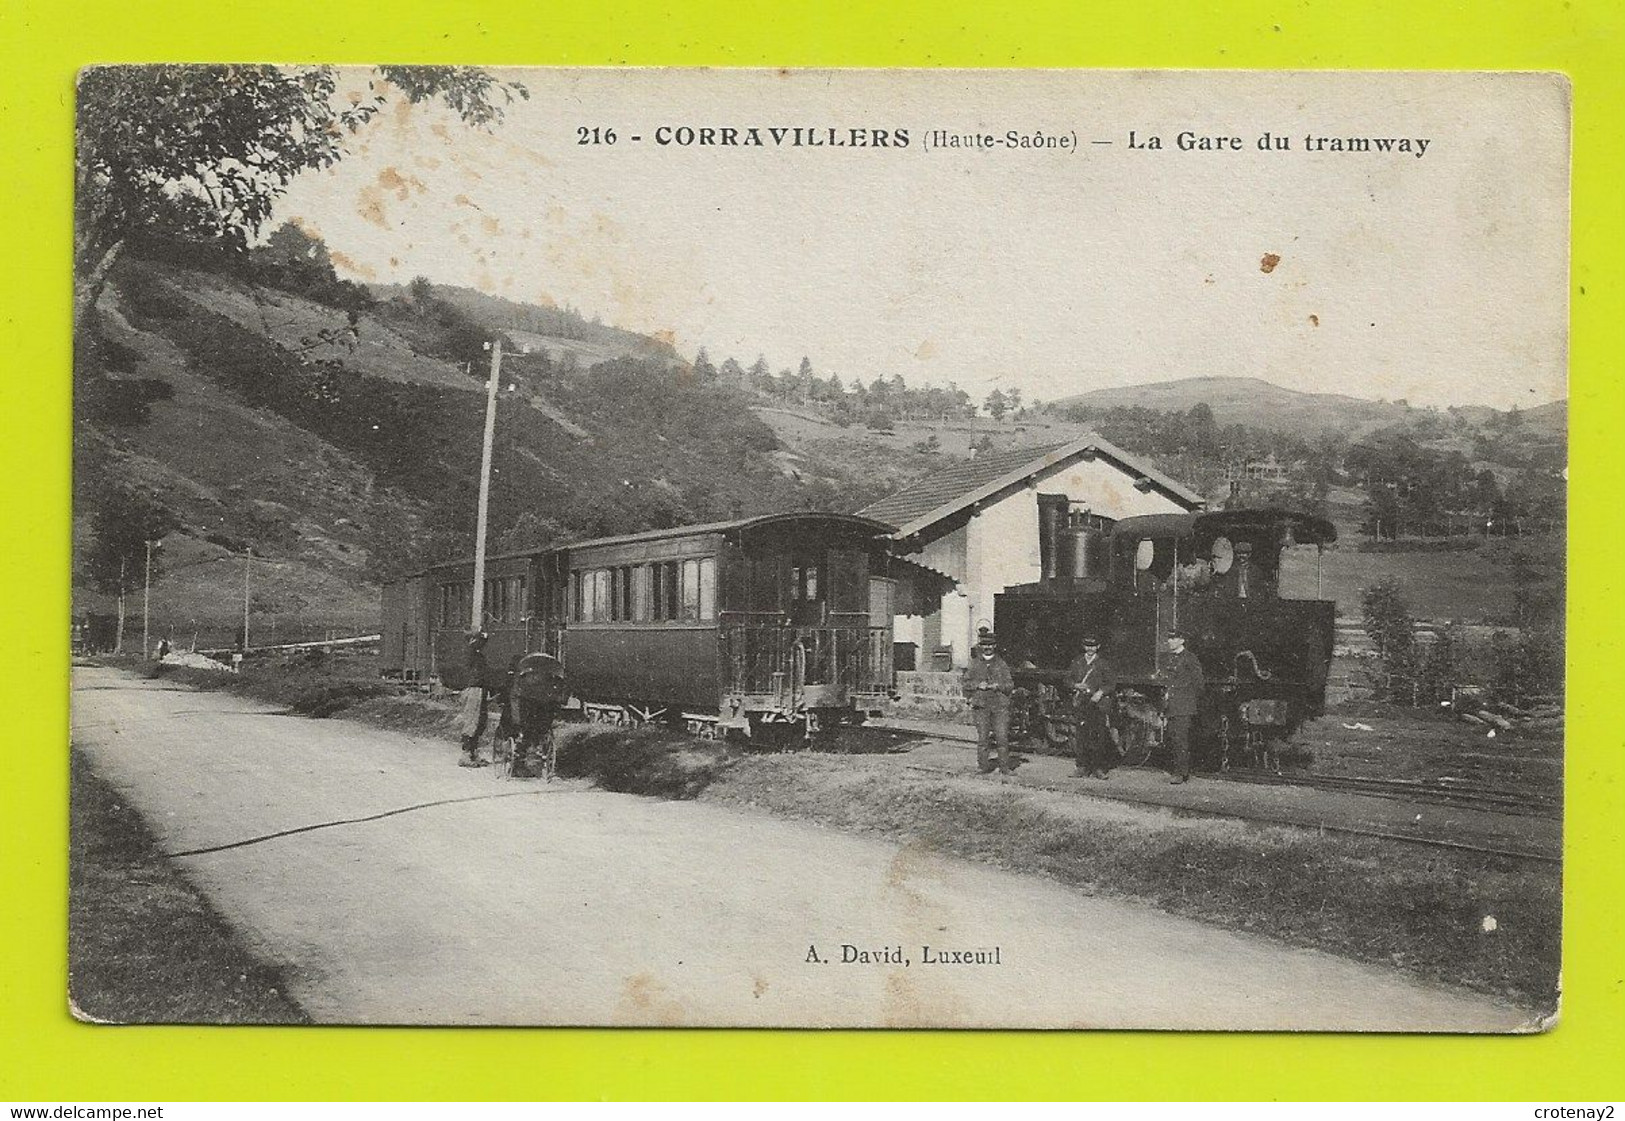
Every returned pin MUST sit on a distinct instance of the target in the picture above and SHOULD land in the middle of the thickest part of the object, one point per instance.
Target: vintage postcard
(953, 549)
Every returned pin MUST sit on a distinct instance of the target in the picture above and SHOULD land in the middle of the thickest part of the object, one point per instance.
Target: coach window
(691, 590)
(708, 588)
(600, 595)
(453, 605)
(505, 599)
(642, 594)
(699, 589)
(666, 604)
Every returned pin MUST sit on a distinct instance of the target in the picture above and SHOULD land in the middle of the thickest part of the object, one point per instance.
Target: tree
(761, 376)
(202, 153)
(996, 404)
(420, 290)
(731, 374)
(704, 372)
(805, 379)
(117, 559)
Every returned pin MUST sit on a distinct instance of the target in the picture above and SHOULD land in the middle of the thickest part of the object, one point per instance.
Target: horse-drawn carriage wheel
(503, 750)
(1057, 732)
(1137, 742)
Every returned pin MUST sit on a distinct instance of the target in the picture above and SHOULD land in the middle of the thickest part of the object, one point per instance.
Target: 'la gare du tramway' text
(895, 139)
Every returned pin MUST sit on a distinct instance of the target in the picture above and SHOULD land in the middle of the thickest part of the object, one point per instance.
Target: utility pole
(118, 641)
(478, 613)
(248, 562)
(146, 603)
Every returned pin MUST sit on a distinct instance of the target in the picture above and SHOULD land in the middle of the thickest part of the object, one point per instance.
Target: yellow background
(47, 1057)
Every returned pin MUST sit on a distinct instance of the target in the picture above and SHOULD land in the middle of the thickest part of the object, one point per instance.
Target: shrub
(655, 761)
(1388, 622)
(329, 697)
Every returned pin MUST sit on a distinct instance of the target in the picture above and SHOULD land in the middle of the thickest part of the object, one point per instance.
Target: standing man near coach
(1183, 680)
(1093, 684)
(475, 700)
(988, 685)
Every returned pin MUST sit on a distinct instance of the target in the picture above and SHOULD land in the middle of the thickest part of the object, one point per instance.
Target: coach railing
(762, 657)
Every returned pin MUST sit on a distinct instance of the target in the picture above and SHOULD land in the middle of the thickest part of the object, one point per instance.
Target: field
(1466, 587)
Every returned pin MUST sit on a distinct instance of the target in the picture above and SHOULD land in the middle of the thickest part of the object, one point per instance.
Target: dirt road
(393, 887)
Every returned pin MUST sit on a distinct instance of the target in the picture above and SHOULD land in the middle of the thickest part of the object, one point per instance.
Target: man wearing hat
(1093, 683)
(1183, 682)
(475, 701)
(988, 685)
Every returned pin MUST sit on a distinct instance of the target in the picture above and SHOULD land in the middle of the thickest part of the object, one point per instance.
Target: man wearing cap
(1093, 683)
(1183, 682)
(988, 685)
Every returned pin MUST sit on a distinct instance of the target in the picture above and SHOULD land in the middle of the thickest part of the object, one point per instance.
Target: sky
(1441, 279)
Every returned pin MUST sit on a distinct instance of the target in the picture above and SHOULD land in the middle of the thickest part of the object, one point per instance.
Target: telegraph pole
(146, 603)
(248, 562)
(478, 613)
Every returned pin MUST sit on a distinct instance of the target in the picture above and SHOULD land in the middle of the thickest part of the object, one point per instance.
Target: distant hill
(1253, 402)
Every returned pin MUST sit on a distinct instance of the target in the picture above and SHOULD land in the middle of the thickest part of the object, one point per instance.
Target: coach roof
(849, 522)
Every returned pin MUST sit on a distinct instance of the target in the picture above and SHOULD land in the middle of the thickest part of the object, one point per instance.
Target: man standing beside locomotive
(1183, 681)
(1092, 682)
(988, 685)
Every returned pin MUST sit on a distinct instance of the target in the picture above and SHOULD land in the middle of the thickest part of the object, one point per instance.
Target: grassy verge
(655, 761)
(1421, 910)
(143, 946)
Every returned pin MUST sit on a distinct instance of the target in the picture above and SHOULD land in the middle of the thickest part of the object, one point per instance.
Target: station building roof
(947, 492)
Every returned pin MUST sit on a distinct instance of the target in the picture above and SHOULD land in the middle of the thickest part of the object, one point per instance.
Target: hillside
(341, 444)
(564, 336)
(335, 432)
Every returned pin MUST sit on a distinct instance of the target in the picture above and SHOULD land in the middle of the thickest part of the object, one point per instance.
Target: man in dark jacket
(1093, 683)
(475, 701)
(1182, 678)
(988, 685)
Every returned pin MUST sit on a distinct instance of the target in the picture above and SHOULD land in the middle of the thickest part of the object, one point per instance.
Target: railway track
(1443, 791)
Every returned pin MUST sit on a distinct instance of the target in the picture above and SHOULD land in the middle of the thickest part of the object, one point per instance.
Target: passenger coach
(782, 619)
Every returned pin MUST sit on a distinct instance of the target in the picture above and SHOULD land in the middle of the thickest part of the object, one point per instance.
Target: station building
(977, 527)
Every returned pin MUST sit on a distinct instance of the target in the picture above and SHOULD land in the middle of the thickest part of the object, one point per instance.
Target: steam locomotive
(1213, 576)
